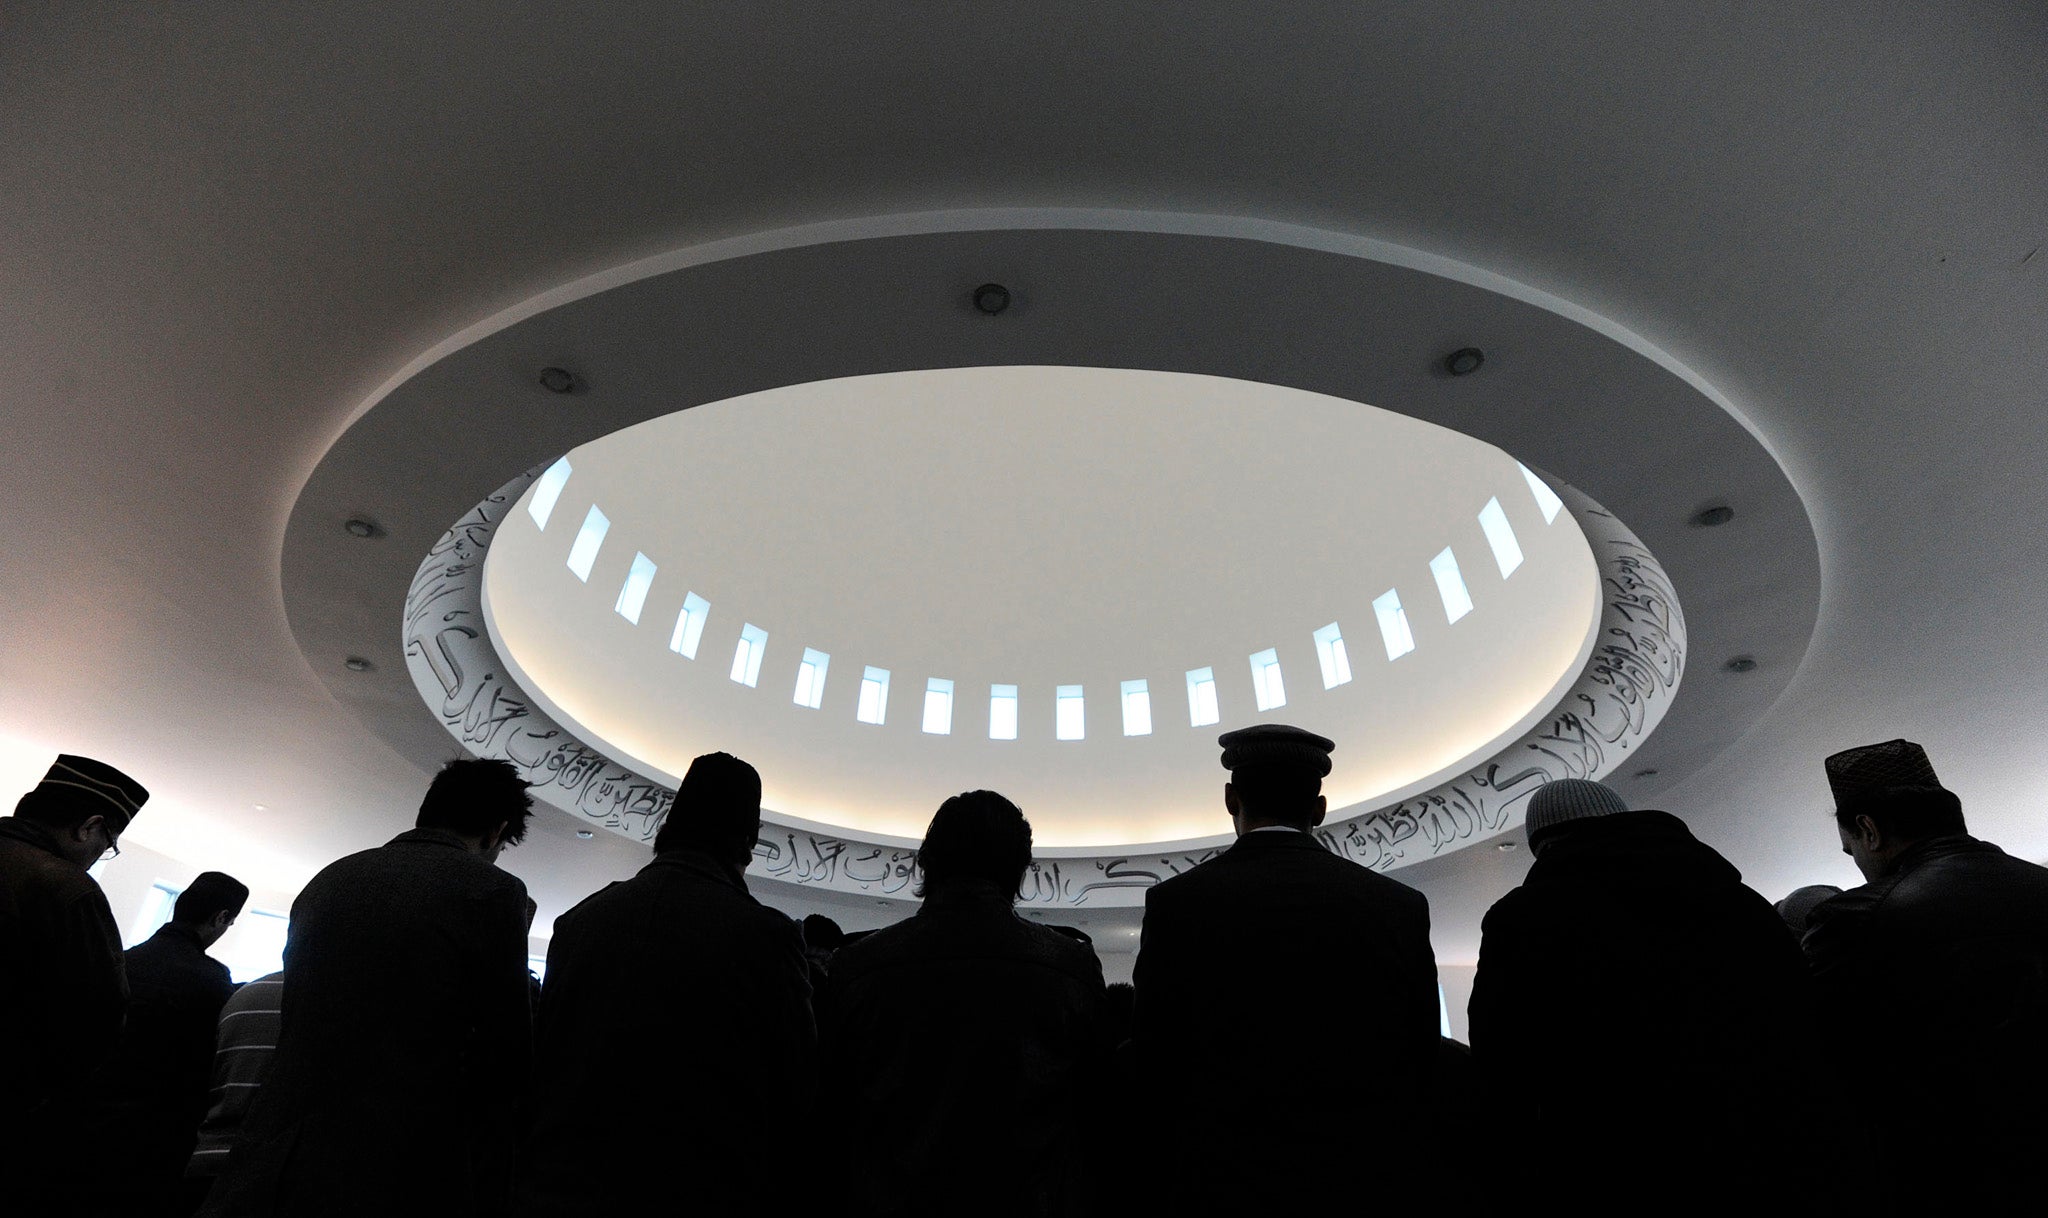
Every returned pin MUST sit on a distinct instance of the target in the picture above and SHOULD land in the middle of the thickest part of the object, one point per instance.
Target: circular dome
(1057, 582)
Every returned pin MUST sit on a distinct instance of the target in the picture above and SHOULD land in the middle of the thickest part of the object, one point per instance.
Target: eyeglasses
(113, 850)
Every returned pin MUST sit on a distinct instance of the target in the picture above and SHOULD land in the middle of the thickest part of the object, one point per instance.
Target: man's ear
(495, 836)
(1322, 810)
(1230, 802)
(1869, 833)
(87, 827)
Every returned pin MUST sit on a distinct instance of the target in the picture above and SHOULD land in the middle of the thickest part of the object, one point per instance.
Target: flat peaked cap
(1871, 769)
(1278, 745)
(110, 792)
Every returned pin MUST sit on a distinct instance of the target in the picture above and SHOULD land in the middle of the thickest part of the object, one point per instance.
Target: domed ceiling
(1061, 583)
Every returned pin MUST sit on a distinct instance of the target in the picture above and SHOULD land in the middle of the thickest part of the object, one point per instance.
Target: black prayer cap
(95, 784)
(1873, 769)
(1276, 746)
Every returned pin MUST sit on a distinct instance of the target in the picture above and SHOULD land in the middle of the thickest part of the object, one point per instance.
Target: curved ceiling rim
(1630, 678)
(1561, 395)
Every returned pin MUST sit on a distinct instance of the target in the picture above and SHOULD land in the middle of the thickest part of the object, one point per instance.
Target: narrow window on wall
(1068, 713)
(588, 539)
(1506, 550)
(1266, 684)
(1545, 497)
(1450, 584)
(155, 911)
(938, 707)
(1202, 697)
(1137, 709)
(810, 678)
(1394, 625)
(1335, 660)
(689, 626)
(634, 595)
(546, 489)
(1002, 712)
(874, 695)
(746, 658)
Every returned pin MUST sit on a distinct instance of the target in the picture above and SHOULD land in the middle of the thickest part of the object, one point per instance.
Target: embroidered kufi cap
(1874, 769)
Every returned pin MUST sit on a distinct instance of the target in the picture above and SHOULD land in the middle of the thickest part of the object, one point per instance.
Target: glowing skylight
(1069, 720)
(1506, 550)
(1137, 709)
(810, 678)
(1335, 660)
(588, 539)
(874, 695)
(1202, 697)
(634, 594)
(1450, 584)
(938, 706)
(1393, 624)
(1545, 497)
(689, 626)
(546, 489)
(1002, 712)
(1266, 684)
(746, 658)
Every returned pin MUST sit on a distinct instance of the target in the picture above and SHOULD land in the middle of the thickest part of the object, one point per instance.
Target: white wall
(128, 879)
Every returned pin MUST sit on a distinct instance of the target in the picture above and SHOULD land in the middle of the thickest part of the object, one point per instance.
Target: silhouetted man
(62, 986)
(970, 1041)
(1933, 980)
(154, 1094)
(405, 1041)
(676, 1042)
(1638, 1012)
(1286, 997)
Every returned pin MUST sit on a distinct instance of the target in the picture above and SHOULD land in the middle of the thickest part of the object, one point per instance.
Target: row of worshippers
(1643, 1029)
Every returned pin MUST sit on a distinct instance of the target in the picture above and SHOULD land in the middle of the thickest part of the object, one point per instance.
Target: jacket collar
(701, 864)
(30, 833)
(1930, 849)
(431, 837)
(1258, 843)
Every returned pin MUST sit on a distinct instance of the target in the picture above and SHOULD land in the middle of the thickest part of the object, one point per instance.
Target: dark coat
(62, 994)
(676, 1045)
(61, 957)
(404, 1044)
(1934, 987)
(971, 1044)
(1639, 1014)
(1285, 997)
(154, 1095)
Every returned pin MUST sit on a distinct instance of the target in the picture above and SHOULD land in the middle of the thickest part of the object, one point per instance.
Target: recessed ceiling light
(1741, 664)
(585, 834)
(359, 526)
(1712, 517)
(1464, 361)
(262, 807)
(356, 664)
(557, 380)
(1651, 773)
(1504, 847)
(991, 298)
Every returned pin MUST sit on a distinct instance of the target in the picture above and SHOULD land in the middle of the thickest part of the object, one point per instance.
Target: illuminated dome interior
(1144, 559)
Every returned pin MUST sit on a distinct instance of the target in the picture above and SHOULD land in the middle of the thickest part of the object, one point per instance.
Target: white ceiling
(227, 229)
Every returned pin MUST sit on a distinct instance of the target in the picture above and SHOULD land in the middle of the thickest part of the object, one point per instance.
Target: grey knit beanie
(1569, 799)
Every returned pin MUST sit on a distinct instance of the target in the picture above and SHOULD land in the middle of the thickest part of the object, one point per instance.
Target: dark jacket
(1934, 987)
(404, 1044)
(1639, 1014)
(154, 1094)
(676, 1045)
(1283, 994)
(970, 1042)
(62, 994)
